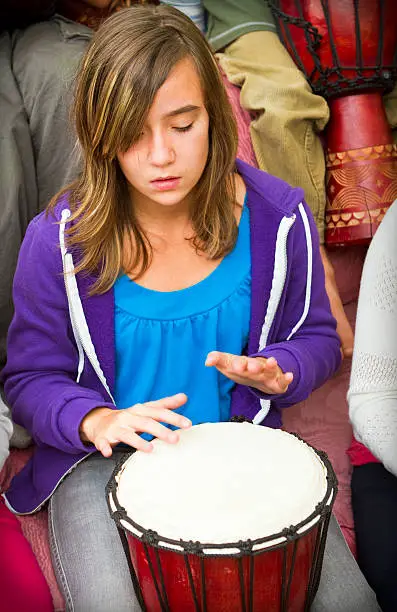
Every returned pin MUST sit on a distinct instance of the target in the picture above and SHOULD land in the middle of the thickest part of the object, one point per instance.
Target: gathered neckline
(125, 279)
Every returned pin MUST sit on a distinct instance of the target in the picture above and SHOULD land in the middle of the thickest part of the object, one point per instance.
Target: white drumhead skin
(223, 482)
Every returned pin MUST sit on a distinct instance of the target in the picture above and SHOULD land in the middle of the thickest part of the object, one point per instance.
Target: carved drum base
(361, 185)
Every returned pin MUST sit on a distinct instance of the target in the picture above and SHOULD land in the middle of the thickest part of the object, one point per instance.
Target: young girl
(168, 285)
(22, 585)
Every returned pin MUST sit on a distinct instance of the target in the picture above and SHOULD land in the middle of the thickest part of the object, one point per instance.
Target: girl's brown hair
(126, 63)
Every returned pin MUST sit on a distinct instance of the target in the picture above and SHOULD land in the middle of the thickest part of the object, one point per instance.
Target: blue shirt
(163, 338)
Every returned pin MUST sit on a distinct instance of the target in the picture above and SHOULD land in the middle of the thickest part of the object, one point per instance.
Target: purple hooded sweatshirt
(61, 346)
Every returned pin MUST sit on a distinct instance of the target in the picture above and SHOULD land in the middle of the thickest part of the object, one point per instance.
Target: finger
(287, 379)
(129, 437)
(170, 403)
(104, 447)
(104, 444)
(239, 365)
(160, 414)
(271, 363)
(212, 358)
(262, 364)
(265, 381)
(241, 380)
(219, 360)
(281, 384)
(148, 425)
(260, 367)
(256, 366)
(253, 371)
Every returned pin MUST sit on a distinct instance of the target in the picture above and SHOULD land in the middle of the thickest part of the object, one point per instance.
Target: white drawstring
(79, 323)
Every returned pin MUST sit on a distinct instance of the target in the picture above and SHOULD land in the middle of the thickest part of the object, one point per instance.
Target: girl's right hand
(106, 428)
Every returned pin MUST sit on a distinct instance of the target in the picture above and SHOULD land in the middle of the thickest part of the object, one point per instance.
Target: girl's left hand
(263, 374)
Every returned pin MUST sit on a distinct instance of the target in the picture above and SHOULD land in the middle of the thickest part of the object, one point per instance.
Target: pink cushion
(322, 420)
(34, 526)
(244, 148)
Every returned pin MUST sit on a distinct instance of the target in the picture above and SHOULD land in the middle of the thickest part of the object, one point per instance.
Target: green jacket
(230, 19)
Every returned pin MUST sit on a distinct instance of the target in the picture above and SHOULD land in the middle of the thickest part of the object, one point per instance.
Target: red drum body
(347, 49)
(284, 578)
(275, 573)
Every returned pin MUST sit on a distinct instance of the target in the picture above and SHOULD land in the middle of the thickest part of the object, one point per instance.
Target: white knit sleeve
(373, 385)
(5, 432)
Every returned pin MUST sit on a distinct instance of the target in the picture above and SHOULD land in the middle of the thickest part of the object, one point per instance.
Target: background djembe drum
(347, 50)
(233, 518)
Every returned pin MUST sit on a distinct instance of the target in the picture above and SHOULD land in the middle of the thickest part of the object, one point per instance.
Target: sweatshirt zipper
(278, 282)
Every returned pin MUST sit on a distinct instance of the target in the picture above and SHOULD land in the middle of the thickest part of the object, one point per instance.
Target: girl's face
(168, 159)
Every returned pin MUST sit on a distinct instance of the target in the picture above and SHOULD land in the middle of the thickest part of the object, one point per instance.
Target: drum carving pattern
(367, 175)
(347, 50)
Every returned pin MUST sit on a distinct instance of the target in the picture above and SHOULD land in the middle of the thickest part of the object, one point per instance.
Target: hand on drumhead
(106, 428)
(263, 374)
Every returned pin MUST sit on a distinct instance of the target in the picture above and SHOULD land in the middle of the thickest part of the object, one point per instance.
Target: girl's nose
(161, 150)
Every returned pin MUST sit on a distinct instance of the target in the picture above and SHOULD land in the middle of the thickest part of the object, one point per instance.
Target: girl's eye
(184, 128)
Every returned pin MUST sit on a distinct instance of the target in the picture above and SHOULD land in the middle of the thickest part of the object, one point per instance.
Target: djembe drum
(232, 518)
(347, 51)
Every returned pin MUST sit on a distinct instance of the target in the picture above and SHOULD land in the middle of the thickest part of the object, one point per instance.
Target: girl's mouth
(166, 183)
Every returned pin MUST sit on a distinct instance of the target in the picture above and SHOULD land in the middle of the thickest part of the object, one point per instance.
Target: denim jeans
(87, 553)
(92, 570)
(343, 587)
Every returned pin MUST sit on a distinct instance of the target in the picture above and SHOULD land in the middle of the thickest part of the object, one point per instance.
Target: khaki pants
(289, 116)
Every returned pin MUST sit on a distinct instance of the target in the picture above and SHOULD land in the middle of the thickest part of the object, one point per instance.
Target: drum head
(223, 483)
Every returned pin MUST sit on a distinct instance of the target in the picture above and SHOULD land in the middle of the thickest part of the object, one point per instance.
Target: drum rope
(359, 55)
(334, 52)
(286, 591)
(191, 582)
(313, 38)
(242, 585)
(195, 553)
(162, 603)
(313, 35)
(331, 81)
(381, 31)
(203, 591)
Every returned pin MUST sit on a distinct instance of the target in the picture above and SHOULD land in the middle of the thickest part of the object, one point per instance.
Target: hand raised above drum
(106, 428)
(263, 374)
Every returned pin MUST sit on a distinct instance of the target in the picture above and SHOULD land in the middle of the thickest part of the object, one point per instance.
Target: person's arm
(343, 326)
(306, 350)
(40, 375)
(372, 393)
(5, 432)
(312, 352)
